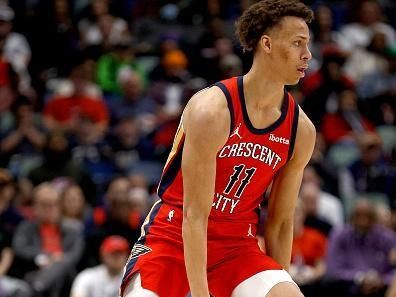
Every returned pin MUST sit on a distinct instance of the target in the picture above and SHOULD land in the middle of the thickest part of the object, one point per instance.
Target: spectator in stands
(134, 100)
(167, 42)
(110, 64)
(381, 82)
(82, 102)
(311, 197)
(103, 280)
(206, 52)
(218, 60)
(100, 30)
(308, 254)
(73, 206)
(25, 139)
(173, 67)
(320, 87)
(347, 122)
(138, 181)
(127, 145)
(230, 65)
(90, 151)
(16, 49)
(170, 92)
(9, 220)
(140, 201)
(325, 172)
(366, 20)
(359, 255)
(325, 205)
(52, 21)
(227, 64)
(371, 173)
(48, 247)
(372, 55)
(58, 163)
(381, 111)
(322, 34)
(114, 218)
(119, 219)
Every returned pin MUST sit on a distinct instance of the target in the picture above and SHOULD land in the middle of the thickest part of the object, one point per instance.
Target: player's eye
(297, 43)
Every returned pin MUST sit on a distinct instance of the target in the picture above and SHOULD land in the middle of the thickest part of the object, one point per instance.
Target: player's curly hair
(265, 14)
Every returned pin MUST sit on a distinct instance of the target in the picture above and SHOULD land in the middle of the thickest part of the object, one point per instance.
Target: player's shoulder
(208, 102)
(208, 109)
(305, 139)
(306, 130)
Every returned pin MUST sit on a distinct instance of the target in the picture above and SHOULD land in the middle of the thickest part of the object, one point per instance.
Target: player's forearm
(278, 242)
(195, 254)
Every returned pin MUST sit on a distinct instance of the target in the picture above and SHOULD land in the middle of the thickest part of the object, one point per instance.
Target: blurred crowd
(91, 92)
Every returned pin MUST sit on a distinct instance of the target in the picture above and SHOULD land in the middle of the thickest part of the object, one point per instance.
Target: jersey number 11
(234, 178)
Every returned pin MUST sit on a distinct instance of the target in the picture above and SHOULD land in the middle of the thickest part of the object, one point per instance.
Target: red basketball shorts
(233, 255)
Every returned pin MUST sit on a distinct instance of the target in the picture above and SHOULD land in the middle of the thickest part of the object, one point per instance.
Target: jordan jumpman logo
(250, 234)
(236, 132)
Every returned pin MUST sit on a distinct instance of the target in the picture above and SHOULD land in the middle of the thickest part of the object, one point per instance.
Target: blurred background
(91, 92)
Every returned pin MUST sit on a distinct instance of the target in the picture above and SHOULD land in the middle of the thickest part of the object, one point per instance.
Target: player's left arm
(286, 185)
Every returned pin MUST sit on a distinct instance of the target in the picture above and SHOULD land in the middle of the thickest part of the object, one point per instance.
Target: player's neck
(262, 89)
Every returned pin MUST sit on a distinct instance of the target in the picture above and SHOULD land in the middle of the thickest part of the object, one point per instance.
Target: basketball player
(235, 139)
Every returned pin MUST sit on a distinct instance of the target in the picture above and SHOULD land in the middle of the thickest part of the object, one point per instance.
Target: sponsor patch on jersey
(278, 139)
(139, 250)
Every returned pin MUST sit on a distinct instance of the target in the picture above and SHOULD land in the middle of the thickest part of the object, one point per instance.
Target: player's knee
(285, 289)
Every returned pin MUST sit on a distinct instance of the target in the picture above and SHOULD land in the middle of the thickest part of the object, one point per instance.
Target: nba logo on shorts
(170, 215)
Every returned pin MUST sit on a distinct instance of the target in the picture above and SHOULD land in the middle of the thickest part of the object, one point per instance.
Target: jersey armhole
(229, 103)
(293, 130)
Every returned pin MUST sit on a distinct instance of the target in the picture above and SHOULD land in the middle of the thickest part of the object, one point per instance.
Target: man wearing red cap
(105, 279)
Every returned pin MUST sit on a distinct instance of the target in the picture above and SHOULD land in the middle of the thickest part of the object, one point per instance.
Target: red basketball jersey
(245, 165)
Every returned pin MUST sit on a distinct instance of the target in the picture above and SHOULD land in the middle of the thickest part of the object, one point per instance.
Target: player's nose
(307, 55)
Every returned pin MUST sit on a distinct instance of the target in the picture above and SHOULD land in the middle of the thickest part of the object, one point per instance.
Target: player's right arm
(206, 123)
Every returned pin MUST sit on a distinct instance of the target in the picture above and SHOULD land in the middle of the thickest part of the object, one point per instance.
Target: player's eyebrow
(302, 36)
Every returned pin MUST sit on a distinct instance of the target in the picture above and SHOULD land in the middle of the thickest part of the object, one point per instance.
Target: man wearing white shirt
(368, 21)
(322, 204)
(105, 279)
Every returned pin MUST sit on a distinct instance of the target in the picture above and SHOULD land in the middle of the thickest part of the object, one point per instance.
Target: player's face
(289, 49)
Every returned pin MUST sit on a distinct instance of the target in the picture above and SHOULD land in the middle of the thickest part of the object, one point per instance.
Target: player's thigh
(135, 289)
(269, 283)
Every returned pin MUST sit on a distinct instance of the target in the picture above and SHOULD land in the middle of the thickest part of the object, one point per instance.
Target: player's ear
(265, 43)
